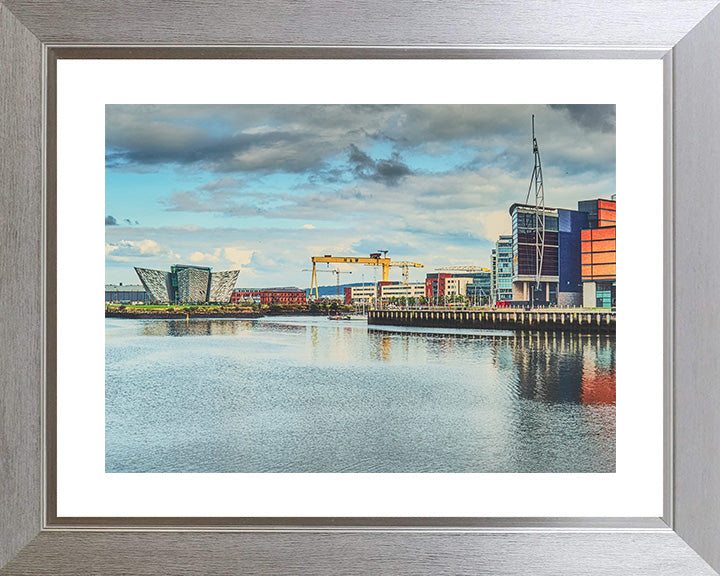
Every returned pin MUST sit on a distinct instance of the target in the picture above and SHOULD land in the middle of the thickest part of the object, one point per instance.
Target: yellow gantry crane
(334, 271)
(375, 259)
(406, 269)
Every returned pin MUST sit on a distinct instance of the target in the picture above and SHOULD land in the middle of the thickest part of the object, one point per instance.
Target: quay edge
(581, 321)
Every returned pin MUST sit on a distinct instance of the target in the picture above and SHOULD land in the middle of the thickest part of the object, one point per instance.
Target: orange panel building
(598, 257)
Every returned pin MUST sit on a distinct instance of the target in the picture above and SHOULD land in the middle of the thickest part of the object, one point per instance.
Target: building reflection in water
(549, 367)
(557, 367)
(196, 327)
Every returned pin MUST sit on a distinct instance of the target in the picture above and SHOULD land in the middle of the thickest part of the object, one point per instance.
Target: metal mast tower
(536, 184)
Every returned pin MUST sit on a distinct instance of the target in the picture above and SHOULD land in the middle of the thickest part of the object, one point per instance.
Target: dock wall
(582, 321)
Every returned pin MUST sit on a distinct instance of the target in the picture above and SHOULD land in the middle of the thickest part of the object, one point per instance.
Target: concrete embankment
(583, 321)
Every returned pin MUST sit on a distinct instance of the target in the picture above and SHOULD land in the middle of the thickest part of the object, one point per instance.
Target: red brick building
(269, 296)
(282, 296)
(242, 296)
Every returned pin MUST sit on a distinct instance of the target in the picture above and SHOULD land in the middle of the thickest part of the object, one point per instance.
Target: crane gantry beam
(464, 269)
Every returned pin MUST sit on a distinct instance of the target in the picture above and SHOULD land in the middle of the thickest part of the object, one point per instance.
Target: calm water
(307, 394)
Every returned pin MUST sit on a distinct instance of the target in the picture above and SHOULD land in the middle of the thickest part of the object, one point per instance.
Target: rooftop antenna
(536, 184)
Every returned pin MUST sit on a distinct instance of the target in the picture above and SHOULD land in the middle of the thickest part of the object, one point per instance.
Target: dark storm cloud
(256, 152)
(224, 139)
(360, 161)
(593, 116)
(277, 138)
(332, 144)
(110, 221)
(389, 171)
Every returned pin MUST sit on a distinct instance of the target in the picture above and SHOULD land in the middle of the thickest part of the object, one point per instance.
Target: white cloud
(237, 256)
(495, 224)
(231, 256)
(128, 250)
(200, 257)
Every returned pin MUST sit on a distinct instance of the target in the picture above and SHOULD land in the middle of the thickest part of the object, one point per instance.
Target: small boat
(338, 317)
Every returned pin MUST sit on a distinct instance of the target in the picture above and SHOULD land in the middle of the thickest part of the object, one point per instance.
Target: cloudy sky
(264, 188)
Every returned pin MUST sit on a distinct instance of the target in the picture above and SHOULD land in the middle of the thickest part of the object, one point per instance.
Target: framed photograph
(507, 409)
(227, 168)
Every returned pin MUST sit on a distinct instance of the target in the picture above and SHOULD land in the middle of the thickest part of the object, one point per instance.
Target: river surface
(308, 394)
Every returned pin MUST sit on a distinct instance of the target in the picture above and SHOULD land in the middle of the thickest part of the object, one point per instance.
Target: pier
(558, 319)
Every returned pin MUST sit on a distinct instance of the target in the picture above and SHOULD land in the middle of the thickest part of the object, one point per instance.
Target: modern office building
(457, 284)
(435, 291)
(598, 254)
(548, 240)
(397, 290)
(127, 294)
(535, 254)
(479, 289)
(442, 286)
(501, 274)
(383, 291)
(601, 213)
(187, 284)
(493, 274)
(365, 294)
(571, 223)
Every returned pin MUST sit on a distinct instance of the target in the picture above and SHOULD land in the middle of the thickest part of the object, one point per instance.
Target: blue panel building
(570, 223)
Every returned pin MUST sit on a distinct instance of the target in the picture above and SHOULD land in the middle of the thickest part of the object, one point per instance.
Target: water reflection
(312, 395)
(197, 327)
(540, 366)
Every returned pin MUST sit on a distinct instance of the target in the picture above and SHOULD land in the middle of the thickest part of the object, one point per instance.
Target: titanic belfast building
(192, 284)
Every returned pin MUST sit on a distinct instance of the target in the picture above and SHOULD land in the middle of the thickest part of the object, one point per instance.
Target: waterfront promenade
(558, 319)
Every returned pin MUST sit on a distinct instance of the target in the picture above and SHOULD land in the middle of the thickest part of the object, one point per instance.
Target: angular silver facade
(187, 284)
(222, 284)
(156, 284)
(193, 285)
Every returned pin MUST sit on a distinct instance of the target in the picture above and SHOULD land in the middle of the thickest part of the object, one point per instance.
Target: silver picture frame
(685, 34)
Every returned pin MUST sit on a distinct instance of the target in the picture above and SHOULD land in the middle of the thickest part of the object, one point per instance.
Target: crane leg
(314, 282)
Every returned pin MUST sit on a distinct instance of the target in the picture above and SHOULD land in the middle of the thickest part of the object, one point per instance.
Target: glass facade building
(601, 213)
(535, 254)
(598, 254)
(548, 241)
(479, 290)
(501, 278)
